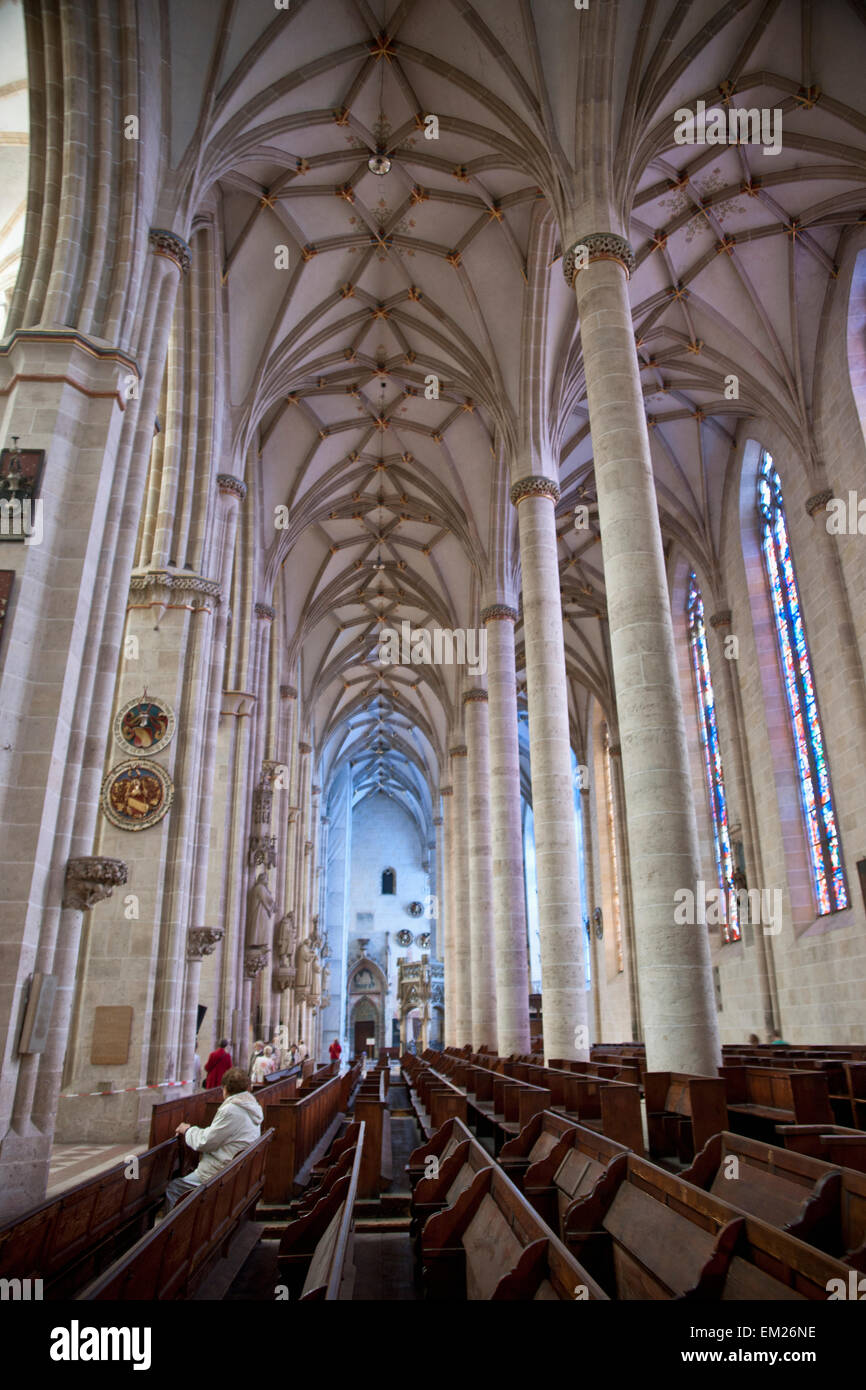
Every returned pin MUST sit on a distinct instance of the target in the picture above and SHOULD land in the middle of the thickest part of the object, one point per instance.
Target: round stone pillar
(509, 897)
(480, 872)
(461, 954)
(563, 974)
(446, 902)
(676, 989)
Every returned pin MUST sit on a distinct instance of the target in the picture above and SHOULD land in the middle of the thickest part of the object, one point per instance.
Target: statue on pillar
(261, 910)
(304, 956)
(287, 941)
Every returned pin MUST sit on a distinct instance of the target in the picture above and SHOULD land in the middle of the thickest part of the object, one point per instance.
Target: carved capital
(172, 247)
(614, 750)
(534, 486)
(721, 619)
(598, 246)
(304, 748)
(202, 941)
(288, 692)
(471, 697)
(446, 791)
(236, 487)
(263, 851)
(498, 611)
(265, 612)
(460, 751)
(437, 820)
(818, 501)
(91, 879)
(163, 587)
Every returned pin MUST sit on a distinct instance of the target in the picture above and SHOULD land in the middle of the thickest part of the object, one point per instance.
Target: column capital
(172, 247)
(614, 749)
(89, 880)
(475, 696)
(721, 619)
(446, 791)
(288, 692)
(598, 246)
(438, 820)
(265, 612)
(535, 485)
(495, 611)
(818, 501)
(458, 751)
(202, 941)
(236, 487)
(304, 748)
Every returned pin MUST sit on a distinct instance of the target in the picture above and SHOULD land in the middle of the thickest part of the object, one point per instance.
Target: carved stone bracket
(91, 879)
(172, 246)
(471, 697)
(600, 246)
(614, 750)
(288, 692)
(498, 610)
(255, 961)
(202, 941)
(534, 486)
(163, 587)
(263, 851)
(446, 791)
(721, 619)
(818, 501)
(265, 612)
(227, 482)
(460, 751)
(304, 748)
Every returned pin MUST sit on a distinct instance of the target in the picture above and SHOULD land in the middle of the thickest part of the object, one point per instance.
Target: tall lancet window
(825, 853)
(712, 758)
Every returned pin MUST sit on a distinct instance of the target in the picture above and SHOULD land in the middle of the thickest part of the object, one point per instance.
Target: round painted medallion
(145, 725)
(136, 795)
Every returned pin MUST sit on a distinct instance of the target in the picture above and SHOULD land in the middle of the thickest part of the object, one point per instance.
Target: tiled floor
(72, 1163)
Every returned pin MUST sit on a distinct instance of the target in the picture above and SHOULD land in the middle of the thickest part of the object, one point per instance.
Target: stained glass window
(825, 853)
(712, 758)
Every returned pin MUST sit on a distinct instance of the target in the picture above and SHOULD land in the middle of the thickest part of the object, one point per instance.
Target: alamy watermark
(713, 907)
(441, 647)
(21, 520)
(737, 125)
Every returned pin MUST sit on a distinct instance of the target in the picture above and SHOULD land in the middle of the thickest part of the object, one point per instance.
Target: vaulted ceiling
(378, 365)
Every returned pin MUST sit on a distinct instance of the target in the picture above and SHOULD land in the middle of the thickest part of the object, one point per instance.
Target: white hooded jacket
(236, 1125)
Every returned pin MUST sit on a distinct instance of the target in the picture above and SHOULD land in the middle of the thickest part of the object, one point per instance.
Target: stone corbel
(255, 962)
(202, 941)
(91, 879)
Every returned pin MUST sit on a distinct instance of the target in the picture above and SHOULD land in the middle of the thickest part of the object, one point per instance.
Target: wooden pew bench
(760, 1097)
(371, 1107)
(195, 1109)
(534, 1142)
(683, 1112)
(844, 1148)
(433, 1098)
(299, 1125)
(315, 1254)
(438, 1147)
(490, 1245)
(820, 1204)
(172, 1259)
(643, 1233)
(568, 1172)
(461, 1157)
(70, 1239)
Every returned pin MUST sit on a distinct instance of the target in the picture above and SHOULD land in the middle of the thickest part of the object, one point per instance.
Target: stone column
(201, 942)
(676, 989)
(461, 954)
(447, 935)
(254, 963)
(480, 872)
(509, 902)
(438, 848)
(566, 1031)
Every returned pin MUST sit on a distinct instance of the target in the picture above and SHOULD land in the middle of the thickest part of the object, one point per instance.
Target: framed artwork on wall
(136, 795)
(144, 725)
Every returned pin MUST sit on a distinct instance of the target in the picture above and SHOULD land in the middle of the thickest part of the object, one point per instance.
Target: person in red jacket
(217, 1065)
(335, 1050)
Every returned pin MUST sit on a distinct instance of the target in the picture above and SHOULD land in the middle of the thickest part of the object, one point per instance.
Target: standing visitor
(217, 1065)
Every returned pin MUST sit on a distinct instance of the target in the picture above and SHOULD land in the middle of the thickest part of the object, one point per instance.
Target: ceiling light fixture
(379, 164)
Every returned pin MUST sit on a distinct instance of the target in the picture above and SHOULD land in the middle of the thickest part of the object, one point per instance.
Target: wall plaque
(112, 1030)
(144, 725)
(136, 794)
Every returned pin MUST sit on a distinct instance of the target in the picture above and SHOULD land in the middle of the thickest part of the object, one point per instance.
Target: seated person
(236, 1124)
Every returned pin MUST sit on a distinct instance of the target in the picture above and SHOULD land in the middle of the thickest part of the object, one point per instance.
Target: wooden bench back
(314, 1248)
(298, 1125)
(166, 1115)
(171, 1259)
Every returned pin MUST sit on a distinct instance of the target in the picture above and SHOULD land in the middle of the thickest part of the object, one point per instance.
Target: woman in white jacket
(236, 1124)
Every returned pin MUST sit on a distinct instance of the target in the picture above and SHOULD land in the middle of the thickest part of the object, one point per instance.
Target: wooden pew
(371, 1107)
(645, 1234)
(315, 1250)
(534, 1142)
(568, 1172)
(438, 1147)
(299, 1124)
(70, 1239)
(845, 1148)
(759, 1097)
(195, 1109)
(820, 1204)
(490, 1245)
(172, 1259)
(433, 1098)
(683, 1112)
